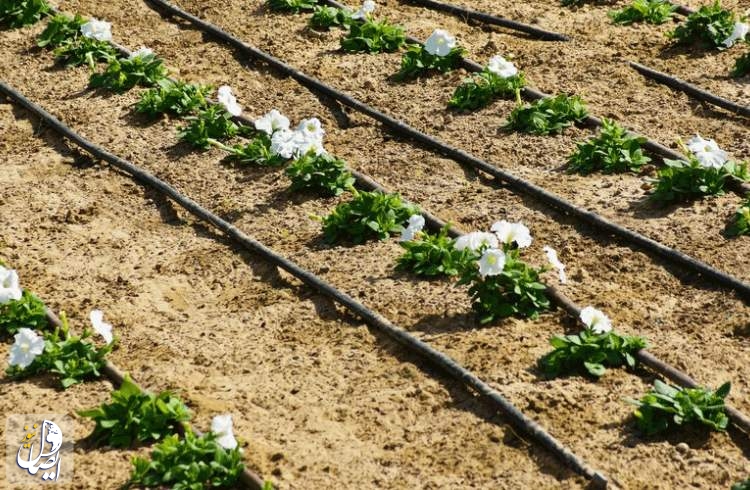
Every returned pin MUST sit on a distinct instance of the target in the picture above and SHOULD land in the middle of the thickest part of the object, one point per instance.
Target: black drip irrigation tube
(645, 243)
(249, 479)
(417, 347)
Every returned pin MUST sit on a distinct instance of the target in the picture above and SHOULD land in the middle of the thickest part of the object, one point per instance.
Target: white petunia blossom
(282, 143)
(596, 320)
(416, 224)
(738, 34)
(367, 8)
(707, 152)
(10, 286)
(221, 427)
(474, 240)
(305, 143)
(311, 128)
(141, 53)
(502, 67)
(28, 345)
(97, 29)
(100, 326)
(555, 262)
(228, 100)
(440, 43)
(492, 263)
(272, 122)
(512, 232)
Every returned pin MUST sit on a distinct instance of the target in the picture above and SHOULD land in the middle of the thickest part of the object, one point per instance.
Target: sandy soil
(342, 406)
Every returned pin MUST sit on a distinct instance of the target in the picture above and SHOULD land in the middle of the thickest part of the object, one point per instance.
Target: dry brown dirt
(320, 399)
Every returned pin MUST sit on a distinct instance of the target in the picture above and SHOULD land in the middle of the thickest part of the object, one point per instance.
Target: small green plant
(212, 123)
(60, 28)
(324, 174)
(612, 151)
(711, 25)
(484, 87)
(134, 416)
(667, 407)
(325, 17)
(19, 13)
(373, 36)
(741, 66)
(294, 6)
(548, 116)
(743, 485)
(649, 11)
(27, 312)
(123, 74)
(591, 352)
(173, 97)
(681, 180)
(191, 463)
(417, 61)
(83, 50)
(368, 215)
(256, 152)
(66, 355)
(433, 255)
(741, 223)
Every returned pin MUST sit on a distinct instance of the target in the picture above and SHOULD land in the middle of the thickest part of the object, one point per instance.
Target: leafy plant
(325, 17)
(367, 215)
(743, 485)
(517, 291)
(192, 463)
(666, 407)
(212, 123)
(173, 97)
(125, 73)
(591, 352)
(295, 6)
(257, 152)
(27, 312)
(323, 173)
(681, 180)
(83, 50)
(417, 61)
(60, 28)
(136, 416)
(548, 116)
(433, 255)
(373, 36)
(19, 13)
(741, 66)
(649, 11)
(741, 223)
(711, 25)
(484, 87)
(66, 355)
(612, 151)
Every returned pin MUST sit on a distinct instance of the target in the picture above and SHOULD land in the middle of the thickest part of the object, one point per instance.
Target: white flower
(474, 240)
(368, 7)
(228, 100)
(28, 345)
(221, 427)
(707, 152)
(272, 122)
(502, 67)
(596, 320)
(555, 262)
(416, 223)
(311, 128)
(738, 34)
(10, 286)
(512, 232)
(141, 53)
(97, 29)
(305, 143)
(439, 43)
(492, 263)
(100, 326)
(282, 143)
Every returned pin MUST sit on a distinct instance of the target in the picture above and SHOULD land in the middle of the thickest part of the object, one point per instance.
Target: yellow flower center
(25, 347)
(745, 213)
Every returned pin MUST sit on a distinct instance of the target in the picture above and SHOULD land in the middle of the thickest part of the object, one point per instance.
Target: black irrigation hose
(551, 200)
(689, 89)
(375, 320)
(117, 377)
(466, 13)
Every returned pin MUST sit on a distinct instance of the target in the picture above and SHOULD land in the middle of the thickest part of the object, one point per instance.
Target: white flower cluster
(416, 224)
(738, 34)
(707, 152)
(502, 67)
(292, 143)
(367, 8)
(595, 320)
(97, 29)
(439, 43)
